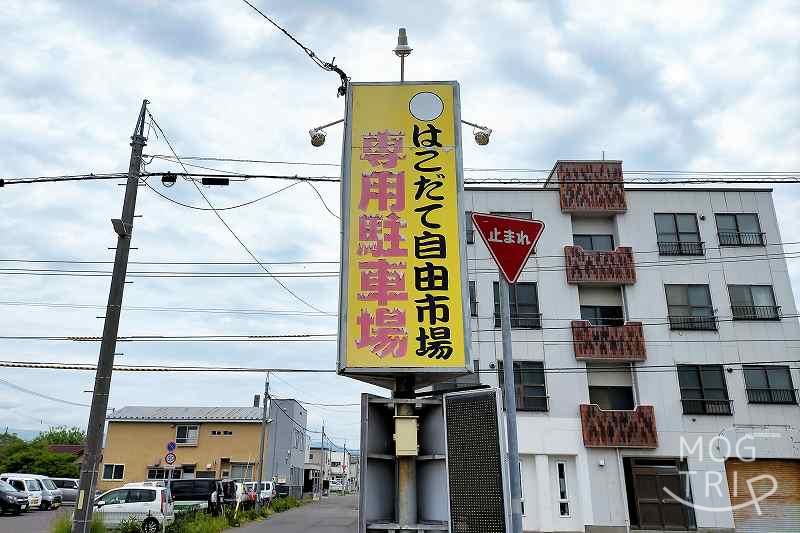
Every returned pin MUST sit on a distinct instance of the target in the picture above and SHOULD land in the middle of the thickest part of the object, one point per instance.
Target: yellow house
(210, 442)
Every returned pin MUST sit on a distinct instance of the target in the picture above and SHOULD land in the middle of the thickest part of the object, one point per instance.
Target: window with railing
(739, 229)
(753, 302)
(529, 385)
(470, 228)
(186, 435)
(524, 303)
(678, 234)
(703, 390)
(473, 300)
(599, 243)
(689, 308)
(769, 384)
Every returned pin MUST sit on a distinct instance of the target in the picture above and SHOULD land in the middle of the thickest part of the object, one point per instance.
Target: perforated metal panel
(475, 463)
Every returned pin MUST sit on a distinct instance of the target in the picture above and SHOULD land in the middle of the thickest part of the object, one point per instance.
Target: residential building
(652, 334)
(317, 466)
(211, 442)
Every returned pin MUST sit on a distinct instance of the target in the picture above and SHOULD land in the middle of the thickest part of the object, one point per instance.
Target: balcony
(619, 429)
(707, 407)
(680, 248)
(608, 343)
(771, 395)
(600, 268)
(756, 312)
(742, 238)
(696, 323)
(590, 187)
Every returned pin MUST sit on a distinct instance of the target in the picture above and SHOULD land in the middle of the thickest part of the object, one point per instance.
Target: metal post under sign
(510, 241)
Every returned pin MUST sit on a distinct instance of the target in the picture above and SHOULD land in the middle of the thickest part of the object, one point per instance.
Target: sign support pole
(509, 393)
(406, 465)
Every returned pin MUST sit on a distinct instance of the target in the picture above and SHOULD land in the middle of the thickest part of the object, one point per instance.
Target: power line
(325, 65)
(40, 395)
(226, 208)
(238, 239)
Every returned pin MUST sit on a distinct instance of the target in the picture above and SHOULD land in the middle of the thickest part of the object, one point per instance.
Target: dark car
(194, 490)
(11, 499)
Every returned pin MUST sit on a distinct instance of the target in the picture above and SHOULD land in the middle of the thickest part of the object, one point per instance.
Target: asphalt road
(334, 514)
(32, 522)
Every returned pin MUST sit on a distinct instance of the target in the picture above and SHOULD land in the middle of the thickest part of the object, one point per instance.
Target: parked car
(12, 500)
(267, 492)
(336, 486)
(26, 484)
(150, 504)
(191, 491)
(69, 488)
(52, 497)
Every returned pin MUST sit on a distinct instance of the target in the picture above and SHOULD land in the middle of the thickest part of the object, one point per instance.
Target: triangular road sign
(510, 240)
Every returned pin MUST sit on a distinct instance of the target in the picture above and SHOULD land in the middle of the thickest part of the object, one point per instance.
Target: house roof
(74, 449)
(137, 413)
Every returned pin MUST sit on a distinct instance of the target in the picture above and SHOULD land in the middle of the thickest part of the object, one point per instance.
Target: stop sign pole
(510, 241)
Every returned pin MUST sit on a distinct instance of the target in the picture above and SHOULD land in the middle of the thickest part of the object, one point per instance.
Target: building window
(242, 471)
(524, 304)
(205, 474)
(689, 307)
(473, 300)
(529, 384)
(186, 435)
(769, 384)
(527, 215)
(703, 390)
(220, 433)
(740, 229)
(597, 243)
(163, 473)
(470, 228)
(603, 315)
(753, 302)
(612, 398)
(113, 472)
(678, 234)
(563, 494)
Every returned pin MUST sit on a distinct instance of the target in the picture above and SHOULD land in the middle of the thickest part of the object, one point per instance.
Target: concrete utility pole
(509, 393)
(105, 364)
(261, 446)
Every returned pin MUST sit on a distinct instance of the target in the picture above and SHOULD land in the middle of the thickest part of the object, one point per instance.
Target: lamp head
(317, 137)
(482, 136)
(402, 49)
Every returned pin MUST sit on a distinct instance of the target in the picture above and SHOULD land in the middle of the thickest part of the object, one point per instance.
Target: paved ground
(334, 514)
(32, 522)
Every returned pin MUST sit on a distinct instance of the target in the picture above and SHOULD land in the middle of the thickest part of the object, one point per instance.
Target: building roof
(74, 449)
(137, 413)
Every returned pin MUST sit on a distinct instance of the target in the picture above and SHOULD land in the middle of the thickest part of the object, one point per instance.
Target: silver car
(68, 486)
(51, 494)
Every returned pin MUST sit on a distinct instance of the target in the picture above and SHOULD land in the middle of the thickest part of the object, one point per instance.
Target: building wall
(139, 445)
(599, 488)
(287, 446)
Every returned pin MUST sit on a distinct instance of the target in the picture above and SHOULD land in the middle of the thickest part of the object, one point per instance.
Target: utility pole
(322, 462)
(261, 446)
(105, 364)
(509, 393)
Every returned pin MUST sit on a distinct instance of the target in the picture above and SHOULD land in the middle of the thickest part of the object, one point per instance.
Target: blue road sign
(171, 446)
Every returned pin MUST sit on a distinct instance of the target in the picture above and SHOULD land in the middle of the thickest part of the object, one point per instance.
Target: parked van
(69, 488)
(149, 503)
(52, 497)
(26, 484)
(267, 492)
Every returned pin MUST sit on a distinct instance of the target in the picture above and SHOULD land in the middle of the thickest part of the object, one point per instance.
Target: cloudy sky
(664, 85)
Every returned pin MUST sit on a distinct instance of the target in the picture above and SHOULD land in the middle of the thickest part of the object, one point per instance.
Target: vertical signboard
(403, 283)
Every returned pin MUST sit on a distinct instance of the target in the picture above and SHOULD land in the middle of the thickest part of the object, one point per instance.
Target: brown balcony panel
(608, 343)
(619, 429)
(601, 268)
(591, 188)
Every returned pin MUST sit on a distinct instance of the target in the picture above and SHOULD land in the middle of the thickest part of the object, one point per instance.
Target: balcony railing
(741, 238)
(769, 395)
(608, 343)
(681, 248)
(591, 187)
(619, 429)
(601, 268)
(707, 407)
(521, 320)
(756, 312)
(698, 323)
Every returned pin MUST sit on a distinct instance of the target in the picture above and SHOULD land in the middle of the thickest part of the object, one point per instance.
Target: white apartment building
(654, 330)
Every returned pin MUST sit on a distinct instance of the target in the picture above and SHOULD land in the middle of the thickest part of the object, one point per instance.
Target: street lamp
(402, 50)
(318, 136)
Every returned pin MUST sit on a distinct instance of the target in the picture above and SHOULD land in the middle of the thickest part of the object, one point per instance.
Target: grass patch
(63, 524)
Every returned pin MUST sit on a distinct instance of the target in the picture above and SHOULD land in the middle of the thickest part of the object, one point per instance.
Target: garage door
(779, 512)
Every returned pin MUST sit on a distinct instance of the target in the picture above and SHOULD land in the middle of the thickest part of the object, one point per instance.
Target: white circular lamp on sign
(426, 106)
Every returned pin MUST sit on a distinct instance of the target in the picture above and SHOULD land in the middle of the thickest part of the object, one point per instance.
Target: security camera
(492, 366)
(317, 137)
(168, 179)
(482, 136)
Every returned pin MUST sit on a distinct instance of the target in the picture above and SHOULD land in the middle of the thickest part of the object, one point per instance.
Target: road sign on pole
(170, 458)
(171, 446)
(510, 241)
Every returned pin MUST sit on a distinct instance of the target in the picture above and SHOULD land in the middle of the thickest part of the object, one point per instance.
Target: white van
(149, 503)
(27, 484)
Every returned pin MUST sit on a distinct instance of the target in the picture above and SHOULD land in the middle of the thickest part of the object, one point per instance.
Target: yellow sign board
(404, 280)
